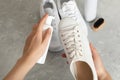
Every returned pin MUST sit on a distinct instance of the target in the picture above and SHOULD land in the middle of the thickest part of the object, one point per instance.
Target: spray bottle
(46, 26)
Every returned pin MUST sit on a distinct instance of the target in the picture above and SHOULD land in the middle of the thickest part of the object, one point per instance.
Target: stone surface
(16, 20)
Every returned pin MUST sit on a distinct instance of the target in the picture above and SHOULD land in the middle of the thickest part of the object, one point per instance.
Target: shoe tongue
(65, 6)
(68, 23)
(49, 11)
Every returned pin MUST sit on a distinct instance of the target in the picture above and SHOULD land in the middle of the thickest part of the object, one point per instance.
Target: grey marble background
(16, 20)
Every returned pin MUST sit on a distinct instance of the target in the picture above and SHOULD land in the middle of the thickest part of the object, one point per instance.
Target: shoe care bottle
(46, 26)
(90, 10)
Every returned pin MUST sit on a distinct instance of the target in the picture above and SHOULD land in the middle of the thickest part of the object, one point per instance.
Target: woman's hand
(101, 71)
(34, 48)
(36, 42)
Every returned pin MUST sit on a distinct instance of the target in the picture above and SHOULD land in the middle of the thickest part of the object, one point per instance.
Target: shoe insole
(62, 1)
(48, 5)
(84, 72)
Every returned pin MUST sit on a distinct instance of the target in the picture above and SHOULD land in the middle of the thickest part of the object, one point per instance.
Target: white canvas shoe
(68, 8)
(76, 45)
(49, 6)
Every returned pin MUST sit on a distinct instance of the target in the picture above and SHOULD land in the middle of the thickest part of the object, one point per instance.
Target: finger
(35, 27)
(63, 55)
(47, 37)
(97, 59)
(44, 35)
(42, 22)
(95, 55)
(29, 38)
(39, 30)
(93, 50)
(34, 30)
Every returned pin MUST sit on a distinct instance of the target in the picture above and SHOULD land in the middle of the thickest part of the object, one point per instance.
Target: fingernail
(63, 55)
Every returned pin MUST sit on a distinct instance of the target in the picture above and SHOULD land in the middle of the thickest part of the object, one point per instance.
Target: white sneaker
(68, 8)
(49, 6)
(76, 45)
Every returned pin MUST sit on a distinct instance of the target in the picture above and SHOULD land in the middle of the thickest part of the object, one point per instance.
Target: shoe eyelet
(80, 54)
(71, 58)
(80, 45)
(62, 35)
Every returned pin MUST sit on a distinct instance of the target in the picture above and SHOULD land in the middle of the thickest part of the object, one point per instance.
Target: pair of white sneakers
(72, 31)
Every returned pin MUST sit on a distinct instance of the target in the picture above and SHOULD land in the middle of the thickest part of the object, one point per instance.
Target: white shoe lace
(69, 10)
(72, 41)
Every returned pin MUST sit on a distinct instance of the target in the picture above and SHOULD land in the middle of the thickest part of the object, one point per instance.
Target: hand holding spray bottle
(46, 26)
